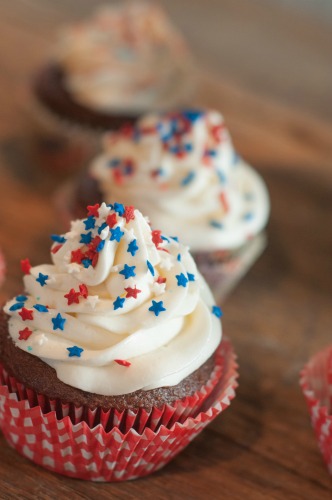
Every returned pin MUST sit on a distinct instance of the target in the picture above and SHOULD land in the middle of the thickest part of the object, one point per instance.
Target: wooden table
(263, 445)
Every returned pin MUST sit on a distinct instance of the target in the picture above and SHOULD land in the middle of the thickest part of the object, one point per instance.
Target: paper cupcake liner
(2, 268)
(94, 453)
(316, 384)
(223, 270)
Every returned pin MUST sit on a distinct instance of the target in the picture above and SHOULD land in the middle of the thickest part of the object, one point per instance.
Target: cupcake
(182, 171)
(105, 72)
(2, 268)
(113, 351)
(316, 382)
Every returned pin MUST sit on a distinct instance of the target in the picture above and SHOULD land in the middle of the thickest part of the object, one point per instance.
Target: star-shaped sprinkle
(156, 237)
(58, 239)
(182, 280)
(100, 246)
(132, 292)
(75, 351)
(116, 234)
(160, 280)
(76, 256)
(26, 314)
(42, 278)
(40, 308)
(129, 213)
(17, 306)
(58, 322)
(92, 300)
(83, 290)
(132, 247)
(102, 227)
(87, 263)
(188, 179)
(224, 201)
(217, 311)
(179, 257)
(72, 297)
(118, 303)
(111, 220)
(21, 298)
(86, 238)
(89, 223)
(128, 271)
(150, 267)
(157, 307)
(216, 224)
(93, 210)
(191, 277)
(25, 266)
(55, 249)
(248, 216)
(122, 362)
(119, 208)
(24, 334)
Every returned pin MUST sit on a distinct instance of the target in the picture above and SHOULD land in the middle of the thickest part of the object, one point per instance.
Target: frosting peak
(121, 308)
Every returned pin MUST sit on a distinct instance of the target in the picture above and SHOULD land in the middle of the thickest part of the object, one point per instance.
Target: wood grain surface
(262, 446)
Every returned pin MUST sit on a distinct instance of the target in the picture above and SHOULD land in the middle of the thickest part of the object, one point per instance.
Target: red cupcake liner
(2, 268)
(223, 270)
(87, 451)
(316, 384)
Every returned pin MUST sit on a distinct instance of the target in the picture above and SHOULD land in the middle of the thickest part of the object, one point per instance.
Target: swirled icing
(121, 308)
(182, 171)
(126, 57)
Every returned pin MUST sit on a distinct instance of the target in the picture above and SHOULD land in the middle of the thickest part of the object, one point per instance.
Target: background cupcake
(118, 341)
(182, 171)
(107, 71)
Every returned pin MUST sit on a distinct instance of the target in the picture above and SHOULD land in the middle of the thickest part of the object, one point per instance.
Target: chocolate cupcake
(105, 72)
(120, 336)
(181, 169)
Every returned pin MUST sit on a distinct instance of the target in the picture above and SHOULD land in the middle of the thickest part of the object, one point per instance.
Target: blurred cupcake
(105, 72)
(2, 268)
(182, 171)
(316, 383)
(113, 352)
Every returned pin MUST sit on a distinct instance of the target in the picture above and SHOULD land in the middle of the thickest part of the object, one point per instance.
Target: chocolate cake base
(39, 376)
(49, 88)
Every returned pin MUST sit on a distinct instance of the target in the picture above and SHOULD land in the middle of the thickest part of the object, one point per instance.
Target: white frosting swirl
(112, 317)
(127, 57)
(182, 171)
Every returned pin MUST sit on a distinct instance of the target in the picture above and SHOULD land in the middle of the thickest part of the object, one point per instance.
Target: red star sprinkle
(161, 280)
(93, 210)
(73, 297)
(223, 201)
(84, 291)
(76, 256)
(129, 213)
(111, 220)
(56, 248)
(127, 130)
(156, 237)
(25, 266)
(180, 154)
(26, 314)
(122, 362)
(117, 176)
(25, 334)
(132, 292)
(94, 243)
(95, 260)
(216, 132)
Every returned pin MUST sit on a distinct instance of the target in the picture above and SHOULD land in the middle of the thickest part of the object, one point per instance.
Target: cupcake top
(126, 57)
(181, 169)
(121, 308)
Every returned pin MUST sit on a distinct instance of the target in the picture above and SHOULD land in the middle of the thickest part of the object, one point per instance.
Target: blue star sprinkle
(42, 278)
(21, 298)
(17, 306)
(164, 238)
(86, 238)
(119, 208)
(179, 257)
(87, 263)
(58, 322)
(40, 308)
(75, 351)
(188, 179)
(188, 147)
(150, 267)
(191, 277)
(100, 246)
(192, 115)
(216, 224)
(118, 303)
(114, 162)
(157, 307)
(248, 216)
(116, 234)
(221, 176)
(58, 239)
(217, 311)
(211, 152)
(132, 247)
(175, 238)
(128, 271)
(89, 223)
(102, 227)
(182, 280)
